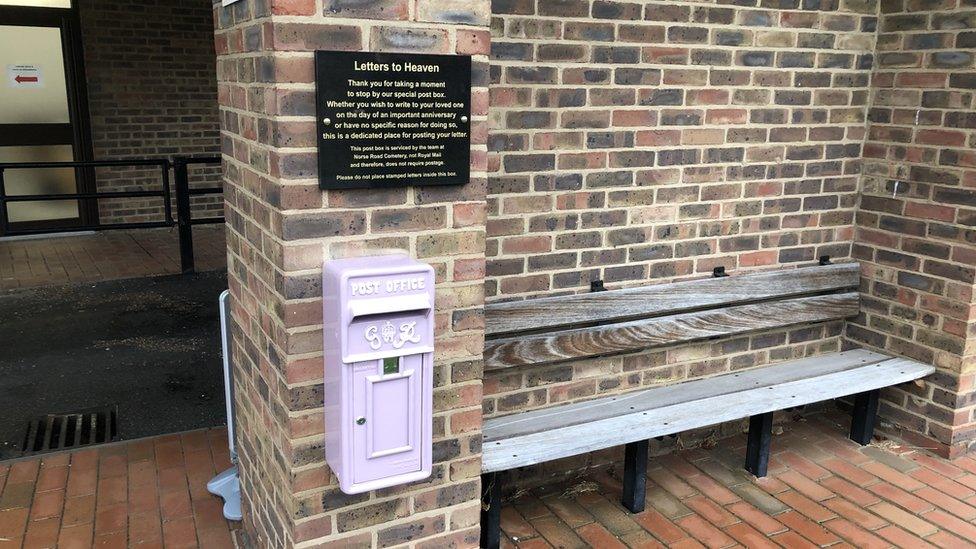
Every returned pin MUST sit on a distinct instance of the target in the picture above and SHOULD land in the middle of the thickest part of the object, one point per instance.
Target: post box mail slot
(378, 315)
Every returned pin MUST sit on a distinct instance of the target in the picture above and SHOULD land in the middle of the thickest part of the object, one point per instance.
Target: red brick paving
(108, 255)
(144, 493)
(822, 491)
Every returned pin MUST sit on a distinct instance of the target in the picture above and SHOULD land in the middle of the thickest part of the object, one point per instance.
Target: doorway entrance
(108, 103)
(43, 114)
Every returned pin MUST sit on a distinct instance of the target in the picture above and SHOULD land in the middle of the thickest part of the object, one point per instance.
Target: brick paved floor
(106, 255)
(822, 490)
(144, 493)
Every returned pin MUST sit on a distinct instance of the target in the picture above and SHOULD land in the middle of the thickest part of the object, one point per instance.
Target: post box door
(387, 414)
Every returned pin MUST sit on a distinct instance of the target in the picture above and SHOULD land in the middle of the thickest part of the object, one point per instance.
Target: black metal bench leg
(635, 475)
(864, 416)
(491, 510)
(757, 451)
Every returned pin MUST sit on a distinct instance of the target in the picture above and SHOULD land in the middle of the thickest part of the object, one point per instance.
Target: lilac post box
(379, 347)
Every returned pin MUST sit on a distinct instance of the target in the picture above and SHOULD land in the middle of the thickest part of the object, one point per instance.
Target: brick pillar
(280, 227)
(916, 224)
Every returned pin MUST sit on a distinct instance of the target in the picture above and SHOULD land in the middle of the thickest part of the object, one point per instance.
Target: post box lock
(378, 341)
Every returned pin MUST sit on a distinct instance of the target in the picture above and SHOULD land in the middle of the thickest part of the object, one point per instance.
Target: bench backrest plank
(546, 314)
(666, 330)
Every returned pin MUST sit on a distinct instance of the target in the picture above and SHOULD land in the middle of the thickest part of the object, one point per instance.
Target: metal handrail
(183, 192)
(164, 193)
(185, 219)
(86, 163)
(80, 196)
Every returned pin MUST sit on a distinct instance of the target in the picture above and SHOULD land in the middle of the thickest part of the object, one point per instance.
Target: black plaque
(392, 119)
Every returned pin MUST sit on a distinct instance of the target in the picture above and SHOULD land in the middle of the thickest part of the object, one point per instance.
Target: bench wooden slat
(500, 454)
(632, 303)
(566, 415)
(667, 330)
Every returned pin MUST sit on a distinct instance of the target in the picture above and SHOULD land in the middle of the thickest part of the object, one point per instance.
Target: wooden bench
(549, 330)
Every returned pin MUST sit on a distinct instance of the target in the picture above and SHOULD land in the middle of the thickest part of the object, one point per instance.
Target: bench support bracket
(491, 510)
(635, 475)
(757, 450)
(864, 416)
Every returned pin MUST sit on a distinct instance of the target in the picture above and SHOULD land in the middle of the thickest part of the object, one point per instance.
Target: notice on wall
(24, 76)
(392, 120)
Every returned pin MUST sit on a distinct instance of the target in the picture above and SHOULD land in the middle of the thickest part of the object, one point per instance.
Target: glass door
(42, 115)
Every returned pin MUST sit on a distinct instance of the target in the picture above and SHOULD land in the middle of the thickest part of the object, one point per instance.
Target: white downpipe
(225, 343)
(228, 483)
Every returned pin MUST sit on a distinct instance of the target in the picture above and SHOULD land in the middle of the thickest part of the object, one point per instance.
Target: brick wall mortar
(558, 223)
(918, 248)
(282, 227)
(525, 123)
(151, 94)
(546, 178)
(776, 218)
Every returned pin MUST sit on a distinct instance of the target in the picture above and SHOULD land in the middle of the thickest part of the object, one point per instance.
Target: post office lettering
(404, 284)
(372, 287)
(365, 288)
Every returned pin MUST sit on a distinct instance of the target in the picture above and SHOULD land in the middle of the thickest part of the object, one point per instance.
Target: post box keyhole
(391, 365)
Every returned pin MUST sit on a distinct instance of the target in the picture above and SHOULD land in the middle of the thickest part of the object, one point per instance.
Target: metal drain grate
(52, 432)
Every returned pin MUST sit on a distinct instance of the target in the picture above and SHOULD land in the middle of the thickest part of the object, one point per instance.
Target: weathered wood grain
(632, 303)
(502, 453)
(667, 330)
(598, 409)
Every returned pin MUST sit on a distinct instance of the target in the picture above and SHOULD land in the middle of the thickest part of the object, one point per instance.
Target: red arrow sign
(21, 79)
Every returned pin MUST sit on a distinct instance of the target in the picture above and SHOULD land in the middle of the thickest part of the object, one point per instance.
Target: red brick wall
(629, 142)
(638, 142)
(281, 227)
(152, 93)
(632, 142)
(645, 142)
(917, 243)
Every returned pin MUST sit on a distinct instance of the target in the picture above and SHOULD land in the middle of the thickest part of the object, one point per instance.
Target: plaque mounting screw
(361, 421)
(327, 121)
(464, 118)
